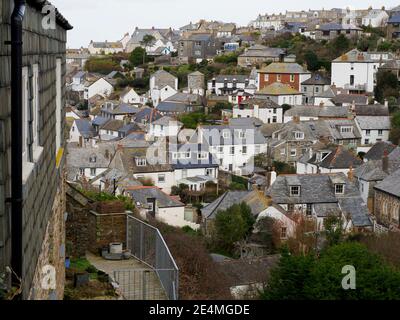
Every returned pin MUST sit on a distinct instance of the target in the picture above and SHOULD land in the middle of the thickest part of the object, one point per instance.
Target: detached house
(100, 87)
(82, 133)
(356, 70)
(129, 95)
(313, 87)
(280, 93)
(164, 127)
(118, 111)
(375, 18)
(319, 196)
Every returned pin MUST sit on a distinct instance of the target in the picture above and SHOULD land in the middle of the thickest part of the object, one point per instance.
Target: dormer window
(295, 191)
(93, 159)
(242, 134)
(226, 134)
(202, 155)
(339, 188)
(299, 135)
(141, 162)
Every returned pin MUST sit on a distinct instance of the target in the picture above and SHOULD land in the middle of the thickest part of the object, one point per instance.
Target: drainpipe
(17, 18)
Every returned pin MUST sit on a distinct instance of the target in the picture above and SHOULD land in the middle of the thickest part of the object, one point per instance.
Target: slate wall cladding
(387, 210)
(41, 47)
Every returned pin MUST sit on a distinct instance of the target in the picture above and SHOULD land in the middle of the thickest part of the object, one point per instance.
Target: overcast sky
(101, 20)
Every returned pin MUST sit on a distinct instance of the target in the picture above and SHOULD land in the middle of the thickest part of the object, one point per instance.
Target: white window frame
(299, 135)
(161, 178)
(141, 162)
(293, 154)
(295, 194)
(336, 188)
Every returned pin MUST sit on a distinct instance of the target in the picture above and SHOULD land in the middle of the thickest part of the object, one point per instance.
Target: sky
(101, 20)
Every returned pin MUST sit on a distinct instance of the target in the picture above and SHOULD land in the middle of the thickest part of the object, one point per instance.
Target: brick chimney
(385, 161)
(350, 175)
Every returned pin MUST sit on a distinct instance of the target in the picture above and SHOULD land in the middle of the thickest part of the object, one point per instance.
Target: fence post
(144, 279)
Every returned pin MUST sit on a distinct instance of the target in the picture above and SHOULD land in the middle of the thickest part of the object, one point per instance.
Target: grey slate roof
(85, 128)
(391, 184)
(319, 189)
(315, 111)
(317, 79)
(373, 122)
(238, 77)
(350, 98)
(141, 194)
(372, 110)
(172, 107)
(213, 135)
(340, 158)
(378, 150)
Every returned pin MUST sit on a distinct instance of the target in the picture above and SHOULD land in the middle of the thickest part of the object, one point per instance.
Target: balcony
(356, 87)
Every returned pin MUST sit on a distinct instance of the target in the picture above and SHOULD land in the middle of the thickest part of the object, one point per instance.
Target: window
(141, 162)
(58, 105)
(368, 132)
(292, 78)
(294, 191)
(82, 171)
(317, 89)
(366, 141)
(283, 152)
(293, 152)
(226, 134)
(283, 233)
(339, 188)
(257, 149)
(352, 80)
(266, 77)
(299, 135)
(346, 129)
(304, 89)
(220, 149)
(161, 178)
(232, 150)
(380, 132)
(278, 78)
(309, 210)
(242, 134)
(93, 159)
(93, 171)
(244, 150)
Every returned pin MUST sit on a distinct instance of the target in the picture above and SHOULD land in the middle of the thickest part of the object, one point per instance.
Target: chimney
(386, 103)
(296, 119)
(350, 175)
(385, 162)
(272, 177)
(107, 154)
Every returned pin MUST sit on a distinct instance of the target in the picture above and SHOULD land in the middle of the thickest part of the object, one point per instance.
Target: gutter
(16, 200)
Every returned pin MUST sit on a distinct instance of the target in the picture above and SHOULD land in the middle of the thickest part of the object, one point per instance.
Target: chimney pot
(385, 161)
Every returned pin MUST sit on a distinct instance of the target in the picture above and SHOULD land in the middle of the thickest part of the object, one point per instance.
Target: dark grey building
(197, 47)
(32, 238)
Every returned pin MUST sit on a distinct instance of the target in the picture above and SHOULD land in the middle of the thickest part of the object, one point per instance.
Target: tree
(395, 131)
(148, 40)
(320, 278)
(333, 229)
(232, 225)
(387, 85)
(138, 56)
(340, 44)
(312, 61)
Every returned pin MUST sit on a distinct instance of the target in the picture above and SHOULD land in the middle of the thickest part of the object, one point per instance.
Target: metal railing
(147, 244)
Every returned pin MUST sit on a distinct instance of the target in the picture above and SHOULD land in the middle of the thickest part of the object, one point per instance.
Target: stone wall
(42, 200)
(387, 210)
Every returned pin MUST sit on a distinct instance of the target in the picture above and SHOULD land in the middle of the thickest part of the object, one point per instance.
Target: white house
(266, 110)
(165, 127)
(162, 86)
(78, 81)
(373, 129)
(99, 87)
(281, 94)
(129, 95)
(375, 18)
(82, 133)
(153, 202)
(105, 47)
(234, 147)
(356, 70)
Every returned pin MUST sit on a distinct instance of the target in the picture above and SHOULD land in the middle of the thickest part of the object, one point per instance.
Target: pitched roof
(85, 128)
(170, 106)
(317, 79)
(373, 123)
(391, 184)
(284, 67)
(340, 158)
(358, 99)
(372, 110)
(378, 150)
(166, 121)
(277, 89)
(142, 194)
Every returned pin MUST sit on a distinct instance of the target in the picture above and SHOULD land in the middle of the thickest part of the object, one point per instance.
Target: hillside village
(287, 129)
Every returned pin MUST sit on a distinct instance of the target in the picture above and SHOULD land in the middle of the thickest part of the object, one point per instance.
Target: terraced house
(32, 197)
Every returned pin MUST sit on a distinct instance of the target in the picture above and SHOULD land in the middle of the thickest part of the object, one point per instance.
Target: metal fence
(147, 244)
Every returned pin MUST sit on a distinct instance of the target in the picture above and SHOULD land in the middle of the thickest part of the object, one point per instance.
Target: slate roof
(350, 98)
(340, 158)
(166, 121)
(181, 97)
(377, 151)
(80, 157)
(318, 112)
(238, 77)
(391, 184)
(85, 128)
(319, 189)
(394, 19)
(142, 194)
(193, 162)
(373, 123)
(256, 201)
(317, 79)
(337, 27)
(120, 109)
(372, 110)
(173, 107)
(147, 114)
(262, 51)
(261, 103)
(99, 121)
(113, 125)
(284, 67)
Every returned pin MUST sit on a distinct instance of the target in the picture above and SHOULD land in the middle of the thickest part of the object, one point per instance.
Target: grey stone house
(41, 242)
(197, 47)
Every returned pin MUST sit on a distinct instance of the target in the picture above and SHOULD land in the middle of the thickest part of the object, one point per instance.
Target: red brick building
(288, 73)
